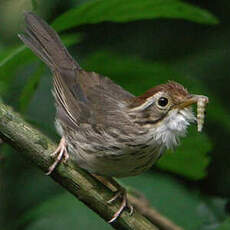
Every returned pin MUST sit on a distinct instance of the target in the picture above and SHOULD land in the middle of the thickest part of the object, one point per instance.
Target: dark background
(190, 186)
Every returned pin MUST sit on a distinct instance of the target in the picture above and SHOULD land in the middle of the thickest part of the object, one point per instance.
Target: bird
(105, 129)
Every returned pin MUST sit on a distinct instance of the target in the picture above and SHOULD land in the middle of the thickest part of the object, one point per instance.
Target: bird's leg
(60, 154)
(120, 193)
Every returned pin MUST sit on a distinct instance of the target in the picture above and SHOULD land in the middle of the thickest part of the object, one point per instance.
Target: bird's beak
(190, 100)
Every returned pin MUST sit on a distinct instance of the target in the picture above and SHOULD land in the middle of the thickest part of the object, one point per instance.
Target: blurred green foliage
(118, 11)
(138, 44)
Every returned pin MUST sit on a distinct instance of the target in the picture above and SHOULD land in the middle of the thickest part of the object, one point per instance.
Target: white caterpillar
(201, 103)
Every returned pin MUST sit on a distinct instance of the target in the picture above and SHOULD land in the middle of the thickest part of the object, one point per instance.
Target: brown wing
(87, 97)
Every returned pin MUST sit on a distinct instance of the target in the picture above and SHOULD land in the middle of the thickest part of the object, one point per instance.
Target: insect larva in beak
(201, 103)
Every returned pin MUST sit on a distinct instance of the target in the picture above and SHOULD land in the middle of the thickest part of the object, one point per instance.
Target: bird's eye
(162, 101)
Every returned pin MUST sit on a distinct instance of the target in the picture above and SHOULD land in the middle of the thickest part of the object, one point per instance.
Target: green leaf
(14, 58)
(225, 225)
(184, 206)
(131, 10)
(11, 60)
(10, 53)
(212, 212)
(71, 38)
(34, 4)
(190, 159)
(30, 88)
(62, 212)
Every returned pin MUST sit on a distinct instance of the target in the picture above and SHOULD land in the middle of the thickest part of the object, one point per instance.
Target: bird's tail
(46, 44)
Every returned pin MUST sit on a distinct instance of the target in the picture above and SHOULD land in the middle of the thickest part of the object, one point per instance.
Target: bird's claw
(124, 204)
(60, 153)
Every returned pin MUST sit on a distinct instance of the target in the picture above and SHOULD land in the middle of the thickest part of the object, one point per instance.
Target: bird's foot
(124, 204)
(60, 154)
(120, 193)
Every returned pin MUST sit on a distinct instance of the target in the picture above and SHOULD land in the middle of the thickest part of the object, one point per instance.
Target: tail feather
(46, 44)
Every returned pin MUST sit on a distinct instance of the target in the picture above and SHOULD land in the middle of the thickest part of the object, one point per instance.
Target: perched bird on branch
(105, 129)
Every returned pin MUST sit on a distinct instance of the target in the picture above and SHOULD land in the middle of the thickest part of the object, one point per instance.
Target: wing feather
(87, 97)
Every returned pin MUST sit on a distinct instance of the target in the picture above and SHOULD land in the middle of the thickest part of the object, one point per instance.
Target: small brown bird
(107, 130)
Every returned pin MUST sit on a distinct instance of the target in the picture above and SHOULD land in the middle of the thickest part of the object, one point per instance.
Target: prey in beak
(201, 102)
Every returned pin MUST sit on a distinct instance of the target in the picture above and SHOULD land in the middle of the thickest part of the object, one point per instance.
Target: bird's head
(166, 109)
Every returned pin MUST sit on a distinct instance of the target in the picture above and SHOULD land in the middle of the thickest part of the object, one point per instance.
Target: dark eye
(162, 101)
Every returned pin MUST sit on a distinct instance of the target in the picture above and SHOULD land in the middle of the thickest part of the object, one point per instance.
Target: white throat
(173, 126)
